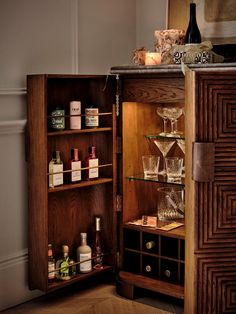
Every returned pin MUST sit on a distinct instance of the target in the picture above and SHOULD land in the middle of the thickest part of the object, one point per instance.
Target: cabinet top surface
(170, 68)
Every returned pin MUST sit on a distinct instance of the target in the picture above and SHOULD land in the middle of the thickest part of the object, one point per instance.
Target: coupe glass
(164, 147)
(162, 112)
(173, 114)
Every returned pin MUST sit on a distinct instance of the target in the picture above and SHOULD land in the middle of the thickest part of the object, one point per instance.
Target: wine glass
(162, 112)
(164, 147)
(181, 144)
(173, 114)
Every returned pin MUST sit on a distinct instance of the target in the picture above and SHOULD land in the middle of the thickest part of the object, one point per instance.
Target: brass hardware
(203, 162)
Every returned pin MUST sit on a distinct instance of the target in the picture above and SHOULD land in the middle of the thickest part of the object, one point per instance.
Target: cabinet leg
(126, 290)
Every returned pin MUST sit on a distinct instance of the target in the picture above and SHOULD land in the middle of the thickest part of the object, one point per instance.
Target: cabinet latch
(119, 201)
(203, 167)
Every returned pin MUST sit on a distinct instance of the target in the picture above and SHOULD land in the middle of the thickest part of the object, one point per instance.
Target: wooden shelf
(62, 283)
(82, 131)
(152, 284)
(178, 233)
(81, 184)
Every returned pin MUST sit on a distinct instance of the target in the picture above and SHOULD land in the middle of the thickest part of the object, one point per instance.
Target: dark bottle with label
(193, 35)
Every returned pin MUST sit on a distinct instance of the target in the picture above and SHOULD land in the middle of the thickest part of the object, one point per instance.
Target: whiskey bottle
(97, 246)
(62, 265)
(75, 166)
(84, 253)
(91, 162)
(51, 264)
(55, 170)
(193, 35)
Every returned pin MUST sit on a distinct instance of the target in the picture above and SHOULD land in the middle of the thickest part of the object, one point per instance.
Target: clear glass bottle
(91, 162)
(75, 166)
(51, 264)
(55, 170)
(193, 35)
(97, 245)
(84, 252)
(62, 265)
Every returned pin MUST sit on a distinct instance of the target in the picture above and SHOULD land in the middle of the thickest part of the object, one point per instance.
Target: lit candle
(152, 58)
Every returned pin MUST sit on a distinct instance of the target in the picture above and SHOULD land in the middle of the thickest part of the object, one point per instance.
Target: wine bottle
(193, 35)
(75, 166)
(97, 245)
(150, 245)
(51, 264)
(62, 265)
(84, 253)
(91, 162)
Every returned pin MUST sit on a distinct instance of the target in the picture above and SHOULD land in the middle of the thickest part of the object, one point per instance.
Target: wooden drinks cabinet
(195, 262)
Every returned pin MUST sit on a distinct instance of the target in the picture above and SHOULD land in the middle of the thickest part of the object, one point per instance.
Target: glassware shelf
(166, 137)
(158, 179)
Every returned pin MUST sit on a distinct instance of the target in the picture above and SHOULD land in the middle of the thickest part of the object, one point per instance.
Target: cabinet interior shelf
(155, 285)
(165, 138)
(59, 284)
(155, 255)
(174, 233)
(158, 179)
(71, 132)
(81, 184)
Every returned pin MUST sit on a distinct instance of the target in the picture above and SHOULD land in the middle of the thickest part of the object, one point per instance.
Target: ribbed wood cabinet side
(37, 181)
(211, 227)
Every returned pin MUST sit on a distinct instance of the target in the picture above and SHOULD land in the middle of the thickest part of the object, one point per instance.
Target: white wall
(51, 36)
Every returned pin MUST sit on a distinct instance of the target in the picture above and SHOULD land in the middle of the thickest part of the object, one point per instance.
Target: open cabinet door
(210, 273)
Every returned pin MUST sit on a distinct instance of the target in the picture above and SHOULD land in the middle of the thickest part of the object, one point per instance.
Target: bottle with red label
(91, 162)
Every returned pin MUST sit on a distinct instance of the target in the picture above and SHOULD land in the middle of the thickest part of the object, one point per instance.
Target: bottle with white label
(55, 170)
(91, 117)
(75, 110)
(84, 253)
(75, 165)
(91, 163)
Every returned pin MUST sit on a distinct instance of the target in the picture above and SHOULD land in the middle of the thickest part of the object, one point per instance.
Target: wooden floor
(97, 299)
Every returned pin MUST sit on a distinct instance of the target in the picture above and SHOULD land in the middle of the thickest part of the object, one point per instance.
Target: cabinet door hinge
(119, 200)
(118, 145)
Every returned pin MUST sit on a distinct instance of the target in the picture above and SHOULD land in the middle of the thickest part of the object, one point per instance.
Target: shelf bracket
(203, 167)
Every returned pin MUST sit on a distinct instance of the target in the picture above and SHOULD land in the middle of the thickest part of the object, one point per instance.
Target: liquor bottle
(91, 117)
(84, 252)
(75, 110)
(51, 264)
(97, 247)
(62, 265)
(55, 170)
(193, 35)
(75, 166)
(91, 162)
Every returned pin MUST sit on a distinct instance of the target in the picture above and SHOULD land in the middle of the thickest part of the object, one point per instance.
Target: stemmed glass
(173, 114)
(162, 112)
(181, 144)
(164, 147)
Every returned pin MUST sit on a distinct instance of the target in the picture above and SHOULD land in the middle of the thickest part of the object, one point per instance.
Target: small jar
(91, 117)
(57, 119)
